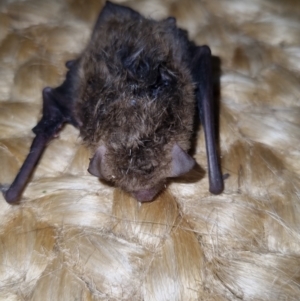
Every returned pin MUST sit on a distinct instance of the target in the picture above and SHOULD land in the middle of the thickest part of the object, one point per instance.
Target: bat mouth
(145, 195)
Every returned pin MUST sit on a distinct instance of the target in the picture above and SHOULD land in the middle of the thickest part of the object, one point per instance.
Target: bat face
(133, 94)
(143, 182)
(136, 104)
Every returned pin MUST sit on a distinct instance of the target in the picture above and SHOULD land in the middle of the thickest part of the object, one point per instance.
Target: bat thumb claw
(9, 195)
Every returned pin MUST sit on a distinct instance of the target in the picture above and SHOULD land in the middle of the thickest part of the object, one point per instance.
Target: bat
(133, 93)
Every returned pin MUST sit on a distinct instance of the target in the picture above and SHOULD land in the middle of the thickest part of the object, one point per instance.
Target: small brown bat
(133, 94)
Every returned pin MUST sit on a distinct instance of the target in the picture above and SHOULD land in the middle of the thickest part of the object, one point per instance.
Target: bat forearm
(14, 192)
(214, 172)
(201, 69)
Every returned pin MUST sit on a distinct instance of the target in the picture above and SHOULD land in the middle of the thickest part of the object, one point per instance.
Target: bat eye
(91, 82)
(163, 81)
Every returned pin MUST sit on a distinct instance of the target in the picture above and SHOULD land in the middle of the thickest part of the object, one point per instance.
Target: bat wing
(202, 75)
(57, 110)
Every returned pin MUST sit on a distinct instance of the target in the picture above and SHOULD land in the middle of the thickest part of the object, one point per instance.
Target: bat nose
(145, 195)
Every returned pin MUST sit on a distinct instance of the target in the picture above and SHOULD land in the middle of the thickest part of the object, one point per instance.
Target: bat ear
(111, 10)
(97, 163)
(181, 161)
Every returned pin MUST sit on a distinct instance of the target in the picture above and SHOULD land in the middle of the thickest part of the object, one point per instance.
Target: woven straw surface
(75, 238)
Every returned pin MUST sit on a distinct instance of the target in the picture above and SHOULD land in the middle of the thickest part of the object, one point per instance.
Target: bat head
(143, 184)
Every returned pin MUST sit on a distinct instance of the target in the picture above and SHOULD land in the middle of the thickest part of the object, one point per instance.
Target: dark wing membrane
(57, 110)
(202, 75)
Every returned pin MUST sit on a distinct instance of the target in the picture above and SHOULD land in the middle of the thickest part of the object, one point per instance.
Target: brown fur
(120, 109)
